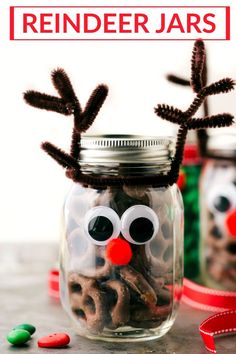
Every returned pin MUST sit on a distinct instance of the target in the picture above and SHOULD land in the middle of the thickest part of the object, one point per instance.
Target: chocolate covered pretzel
(221, 253)
(118, 303)
(88, 302)
(138, 284)
(149, 316)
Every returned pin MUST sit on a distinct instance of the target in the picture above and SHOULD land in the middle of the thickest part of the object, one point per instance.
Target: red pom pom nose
(231, 223)
(119, 252)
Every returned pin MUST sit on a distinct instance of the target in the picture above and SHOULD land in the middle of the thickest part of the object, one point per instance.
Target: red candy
(55, 340)
(119, 251)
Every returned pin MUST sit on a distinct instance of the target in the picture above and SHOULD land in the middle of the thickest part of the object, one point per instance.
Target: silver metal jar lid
(138, 154)
(222, 144)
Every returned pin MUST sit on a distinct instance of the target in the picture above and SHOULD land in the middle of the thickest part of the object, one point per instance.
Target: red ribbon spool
(220, 323)
(207, 299)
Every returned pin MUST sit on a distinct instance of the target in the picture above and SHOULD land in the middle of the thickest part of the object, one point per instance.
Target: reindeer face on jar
(222, 203)
(117, 227)
(221, 210)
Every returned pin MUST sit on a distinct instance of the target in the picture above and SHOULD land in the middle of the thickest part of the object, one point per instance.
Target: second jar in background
(218, 213)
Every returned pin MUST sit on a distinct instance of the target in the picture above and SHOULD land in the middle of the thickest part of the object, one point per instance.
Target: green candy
(18, 337)
(27, 327)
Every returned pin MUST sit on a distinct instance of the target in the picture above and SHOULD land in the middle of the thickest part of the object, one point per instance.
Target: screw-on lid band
(133, 154)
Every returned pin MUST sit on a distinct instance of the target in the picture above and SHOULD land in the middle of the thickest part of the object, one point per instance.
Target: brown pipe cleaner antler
(185, 118)
(68, 104)
(202, 135)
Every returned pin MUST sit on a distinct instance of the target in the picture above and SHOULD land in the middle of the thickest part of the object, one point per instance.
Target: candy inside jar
(122, 252)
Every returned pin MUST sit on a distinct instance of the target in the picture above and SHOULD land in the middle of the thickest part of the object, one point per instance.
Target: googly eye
(222, 198)
(139, 224)
(101, 225)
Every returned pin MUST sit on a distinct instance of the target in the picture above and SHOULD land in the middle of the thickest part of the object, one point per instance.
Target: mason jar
(122, 246)
(218, 213)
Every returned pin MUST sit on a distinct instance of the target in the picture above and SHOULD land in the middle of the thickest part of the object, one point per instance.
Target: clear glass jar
(218, 214)
(122, 246)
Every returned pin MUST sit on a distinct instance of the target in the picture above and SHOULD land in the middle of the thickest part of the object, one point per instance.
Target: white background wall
(32, 185)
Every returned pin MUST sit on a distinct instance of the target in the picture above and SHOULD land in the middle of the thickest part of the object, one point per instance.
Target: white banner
(119, 22)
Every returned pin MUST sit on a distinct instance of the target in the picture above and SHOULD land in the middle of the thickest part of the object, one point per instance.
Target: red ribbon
(208, 299)
(197, 296)
(53, 284)
(220, 323)
(203, 298)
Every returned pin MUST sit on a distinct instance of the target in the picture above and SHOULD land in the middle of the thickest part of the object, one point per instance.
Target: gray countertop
(24, 298)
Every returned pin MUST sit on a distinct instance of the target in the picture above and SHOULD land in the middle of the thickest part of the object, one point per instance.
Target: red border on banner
(12, 34)
(12, 23)
(227, 22)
